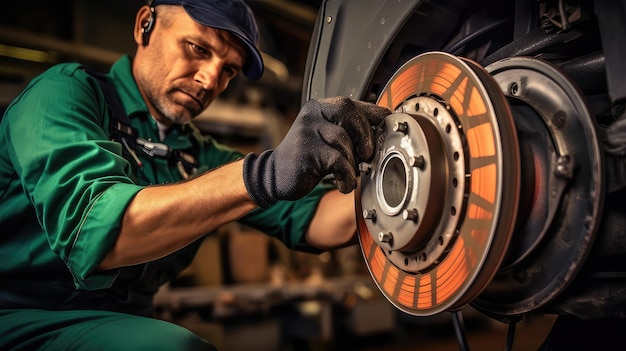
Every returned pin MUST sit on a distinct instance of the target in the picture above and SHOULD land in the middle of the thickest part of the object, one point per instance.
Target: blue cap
(230, 15)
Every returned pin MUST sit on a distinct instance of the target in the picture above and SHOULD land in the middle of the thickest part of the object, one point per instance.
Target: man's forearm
(163, 219)
(334, 223)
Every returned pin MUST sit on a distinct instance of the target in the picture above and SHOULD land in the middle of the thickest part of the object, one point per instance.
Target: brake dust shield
(437, 205)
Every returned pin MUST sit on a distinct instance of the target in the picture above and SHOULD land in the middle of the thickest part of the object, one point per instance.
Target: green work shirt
(64, 187)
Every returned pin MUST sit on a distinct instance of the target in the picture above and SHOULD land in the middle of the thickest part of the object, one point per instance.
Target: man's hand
(329, 136)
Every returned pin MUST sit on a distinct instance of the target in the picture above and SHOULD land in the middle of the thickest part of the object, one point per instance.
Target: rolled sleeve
(74, 176)
(97, 235)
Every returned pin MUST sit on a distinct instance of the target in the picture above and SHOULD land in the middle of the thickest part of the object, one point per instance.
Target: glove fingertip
(346, 186)
(379, 113)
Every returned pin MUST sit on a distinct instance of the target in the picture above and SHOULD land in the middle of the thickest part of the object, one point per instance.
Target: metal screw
(384, 237)
(329, 19)
(410, 215)
(402, 127)
(365, 167)
(563, 168)
(369, 214)
(417, 161)
(558, 119)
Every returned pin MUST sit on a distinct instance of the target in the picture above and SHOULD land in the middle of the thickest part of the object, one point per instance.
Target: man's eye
(199, 49)
(230, 72)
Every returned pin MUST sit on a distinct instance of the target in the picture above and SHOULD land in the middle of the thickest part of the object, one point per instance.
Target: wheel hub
(409, 201)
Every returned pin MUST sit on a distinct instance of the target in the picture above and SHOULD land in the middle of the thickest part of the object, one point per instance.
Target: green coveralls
(64, 187)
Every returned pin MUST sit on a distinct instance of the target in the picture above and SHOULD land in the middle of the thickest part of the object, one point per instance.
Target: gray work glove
(329, 136)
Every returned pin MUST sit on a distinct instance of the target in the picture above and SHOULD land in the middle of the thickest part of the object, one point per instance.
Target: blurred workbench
(267, 316)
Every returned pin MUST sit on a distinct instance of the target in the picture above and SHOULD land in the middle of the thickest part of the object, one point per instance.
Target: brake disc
(437, 205)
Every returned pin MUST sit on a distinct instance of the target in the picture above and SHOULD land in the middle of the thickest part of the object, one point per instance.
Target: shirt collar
(122, 77)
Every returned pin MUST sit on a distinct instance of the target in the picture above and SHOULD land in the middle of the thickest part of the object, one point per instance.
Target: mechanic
(97, 214)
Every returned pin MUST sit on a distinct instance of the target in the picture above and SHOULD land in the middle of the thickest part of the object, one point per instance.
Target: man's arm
(162, 219)
(327, 137)
(334, 223)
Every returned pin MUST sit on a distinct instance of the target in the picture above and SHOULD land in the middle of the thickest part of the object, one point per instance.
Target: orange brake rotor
(436, 207)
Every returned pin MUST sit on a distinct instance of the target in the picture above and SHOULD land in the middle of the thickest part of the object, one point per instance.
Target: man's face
(185, 66)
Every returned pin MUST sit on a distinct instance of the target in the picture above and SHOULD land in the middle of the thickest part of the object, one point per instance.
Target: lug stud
(417, 161)
(369, 214)
(384, 237)
(410, 215)
(402, 127)
(365, 167)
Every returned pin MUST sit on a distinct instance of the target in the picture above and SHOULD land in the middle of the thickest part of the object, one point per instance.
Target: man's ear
(144, 22)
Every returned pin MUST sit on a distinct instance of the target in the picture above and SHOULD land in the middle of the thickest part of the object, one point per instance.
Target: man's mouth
(193, 97)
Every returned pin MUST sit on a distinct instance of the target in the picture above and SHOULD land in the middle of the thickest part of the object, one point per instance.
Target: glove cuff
(258, 184)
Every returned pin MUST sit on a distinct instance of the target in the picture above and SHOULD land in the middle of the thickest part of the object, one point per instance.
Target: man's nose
(208, 75)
